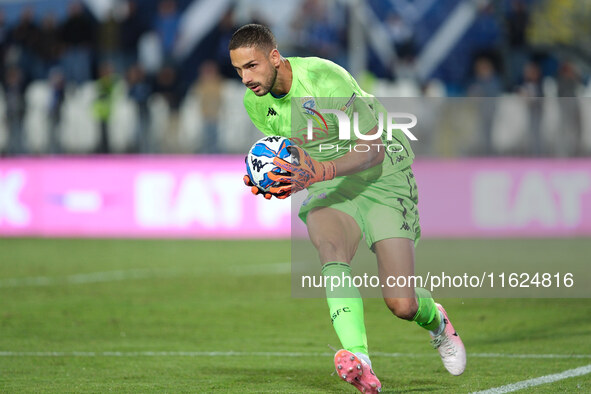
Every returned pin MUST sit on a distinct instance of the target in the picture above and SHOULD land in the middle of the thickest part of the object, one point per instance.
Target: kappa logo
(272, 112)
(404, 211)
(257, 164)
(308, 199)
(321, 196)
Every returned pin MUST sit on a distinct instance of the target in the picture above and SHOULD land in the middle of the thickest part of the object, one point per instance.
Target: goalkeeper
(352, 192)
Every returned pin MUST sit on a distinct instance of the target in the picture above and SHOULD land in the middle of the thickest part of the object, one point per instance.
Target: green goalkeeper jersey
(319, 85)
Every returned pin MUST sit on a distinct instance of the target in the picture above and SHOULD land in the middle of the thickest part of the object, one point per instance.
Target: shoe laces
(444, 345)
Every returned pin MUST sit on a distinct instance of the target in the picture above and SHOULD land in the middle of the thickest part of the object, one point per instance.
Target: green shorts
(384, 206)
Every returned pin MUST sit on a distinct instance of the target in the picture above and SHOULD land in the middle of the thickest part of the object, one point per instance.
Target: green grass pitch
(132, 316)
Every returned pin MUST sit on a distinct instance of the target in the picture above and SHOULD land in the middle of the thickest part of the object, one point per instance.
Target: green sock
(428, 315)
(346, 307)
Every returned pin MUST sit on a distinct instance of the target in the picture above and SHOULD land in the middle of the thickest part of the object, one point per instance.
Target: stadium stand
(178, 126)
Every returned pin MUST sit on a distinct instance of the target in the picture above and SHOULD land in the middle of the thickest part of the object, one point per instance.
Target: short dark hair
(253, 35)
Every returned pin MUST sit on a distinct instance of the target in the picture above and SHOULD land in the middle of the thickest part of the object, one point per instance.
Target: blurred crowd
(127, 63)
(121, 49)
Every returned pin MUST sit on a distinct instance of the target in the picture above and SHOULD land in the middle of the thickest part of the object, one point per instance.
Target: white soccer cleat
(450, 347)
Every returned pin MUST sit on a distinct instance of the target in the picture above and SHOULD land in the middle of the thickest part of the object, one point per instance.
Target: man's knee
(404, 308)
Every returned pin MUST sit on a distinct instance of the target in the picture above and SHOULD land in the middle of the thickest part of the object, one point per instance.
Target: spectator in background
(486, 85)
(131, 30)
(50, 45)
(167, 25)
(486, 80)
(167, 87)
(103, 104)
(108, 40)
(324, 37)
(77, 33)
(402, 36)
(532, 91)
(139, 90)
(315, 33)
(14, 96)
(149, 53)
(57, 84)
(209, 89)
(486, 35)
(569, 139)
(223, 32)
(3, 43)
(300, 23)
(24, 38)
(516, 29)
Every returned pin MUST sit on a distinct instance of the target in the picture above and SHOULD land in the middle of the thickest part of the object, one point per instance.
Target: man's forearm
(354, 162)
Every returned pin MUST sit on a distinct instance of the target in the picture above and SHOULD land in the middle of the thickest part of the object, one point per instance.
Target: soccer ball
(259, 160)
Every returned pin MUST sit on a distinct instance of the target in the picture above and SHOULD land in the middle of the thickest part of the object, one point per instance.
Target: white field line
(497, 390)
(134, 274)
(93, 277)
(273, 354)
(503, 355)
(570, 373)
(277, 268)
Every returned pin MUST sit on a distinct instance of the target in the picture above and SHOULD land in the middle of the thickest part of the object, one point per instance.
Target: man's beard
(267, 85)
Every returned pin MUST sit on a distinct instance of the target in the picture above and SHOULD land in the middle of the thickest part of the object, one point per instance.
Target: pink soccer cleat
(357, 372)
(450, 346)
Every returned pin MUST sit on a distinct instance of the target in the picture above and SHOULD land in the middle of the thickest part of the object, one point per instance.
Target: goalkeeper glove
(277, 191)
(303, 171)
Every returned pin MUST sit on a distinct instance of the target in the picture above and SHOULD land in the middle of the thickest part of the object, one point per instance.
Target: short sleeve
(344, 94)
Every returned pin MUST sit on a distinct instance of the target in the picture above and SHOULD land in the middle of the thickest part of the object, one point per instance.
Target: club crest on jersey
(308, 103)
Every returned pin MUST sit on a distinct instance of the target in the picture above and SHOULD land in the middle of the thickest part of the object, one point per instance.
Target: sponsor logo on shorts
(320, 196)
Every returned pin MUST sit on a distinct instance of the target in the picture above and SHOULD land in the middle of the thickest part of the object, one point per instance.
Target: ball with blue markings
(259, 160)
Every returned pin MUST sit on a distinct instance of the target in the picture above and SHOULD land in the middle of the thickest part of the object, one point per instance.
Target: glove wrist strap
(330, 170)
